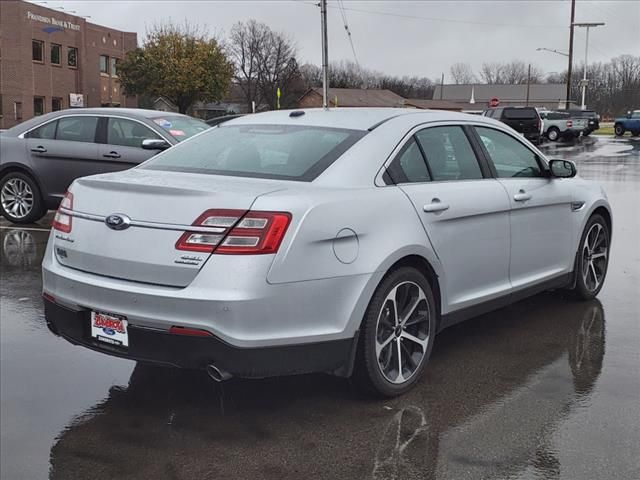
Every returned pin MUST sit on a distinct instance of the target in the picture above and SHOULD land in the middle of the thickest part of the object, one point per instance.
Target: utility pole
(441, 86)
(528, 84)
(584, 81)
(325, 55)
(573, 18)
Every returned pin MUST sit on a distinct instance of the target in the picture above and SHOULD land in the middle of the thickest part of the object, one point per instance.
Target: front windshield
(180, 127)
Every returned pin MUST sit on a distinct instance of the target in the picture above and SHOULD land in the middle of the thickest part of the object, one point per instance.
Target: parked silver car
(41, 157)
(336, 241)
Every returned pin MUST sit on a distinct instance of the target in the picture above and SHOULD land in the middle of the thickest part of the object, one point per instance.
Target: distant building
(432, 104)
(164, 105)
(476, 97)
(234, 102)
(51, 60)
(351, 97)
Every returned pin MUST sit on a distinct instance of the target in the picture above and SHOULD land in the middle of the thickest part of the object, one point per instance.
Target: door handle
(522, 196)
(112, 155)
(39, 149)
(435, 206)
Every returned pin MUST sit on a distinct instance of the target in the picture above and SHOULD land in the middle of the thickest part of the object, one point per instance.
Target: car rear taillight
(569, 123)
(62, 221)
(236, 232)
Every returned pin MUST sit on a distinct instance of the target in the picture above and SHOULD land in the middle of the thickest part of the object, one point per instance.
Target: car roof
(123, 112)
(355, 118)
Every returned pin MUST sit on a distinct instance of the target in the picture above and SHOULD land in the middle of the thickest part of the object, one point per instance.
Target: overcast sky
(415, 37)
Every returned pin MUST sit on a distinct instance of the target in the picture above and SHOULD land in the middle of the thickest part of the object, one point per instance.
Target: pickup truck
(561, 124)
(593, 120)
(629, 123)
(524, 120)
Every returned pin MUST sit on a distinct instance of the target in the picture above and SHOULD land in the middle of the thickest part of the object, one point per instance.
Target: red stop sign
(494, 102)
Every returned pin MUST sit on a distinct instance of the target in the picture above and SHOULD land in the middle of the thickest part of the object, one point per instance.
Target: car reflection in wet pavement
(546, 388)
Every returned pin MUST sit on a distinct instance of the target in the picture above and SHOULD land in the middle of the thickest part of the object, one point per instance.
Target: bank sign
(54, 22)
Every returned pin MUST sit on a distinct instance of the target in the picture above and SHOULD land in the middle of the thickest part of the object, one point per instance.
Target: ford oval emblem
(117, 221)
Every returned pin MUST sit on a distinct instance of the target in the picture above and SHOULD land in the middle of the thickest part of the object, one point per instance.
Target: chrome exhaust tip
(217, 374)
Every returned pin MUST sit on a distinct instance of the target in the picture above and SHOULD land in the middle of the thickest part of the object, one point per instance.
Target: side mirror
(562, 168)
(154, 144)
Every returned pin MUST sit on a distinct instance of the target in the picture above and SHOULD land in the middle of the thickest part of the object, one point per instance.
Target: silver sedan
(337, 241)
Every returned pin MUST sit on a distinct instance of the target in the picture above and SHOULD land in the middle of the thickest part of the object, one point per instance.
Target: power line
(438, 19)
(346, 28)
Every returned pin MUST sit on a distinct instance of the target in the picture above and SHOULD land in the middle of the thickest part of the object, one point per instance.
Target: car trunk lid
(158, 208)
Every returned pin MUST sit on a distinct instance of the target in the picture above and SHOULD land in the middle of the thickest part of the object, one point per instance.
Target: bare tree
(513, 72)
(613, 88)
(245, 42)
(462, 73)
(277, 66)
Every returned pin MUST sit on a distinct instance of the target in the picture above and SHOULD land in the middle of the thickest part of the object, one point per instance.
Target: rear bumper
(161, 347)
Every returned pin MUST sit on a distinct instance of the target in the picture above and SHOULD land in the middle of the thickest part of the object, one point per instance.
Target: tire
(20, 198)
(593, 258)
(553, 134)
(635, 133)
(619, 129)
(586, 133)
(378, 366)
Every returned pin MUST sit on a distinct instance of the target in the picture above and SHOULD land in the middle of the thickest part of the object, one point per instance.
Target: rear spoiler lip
(144, 224)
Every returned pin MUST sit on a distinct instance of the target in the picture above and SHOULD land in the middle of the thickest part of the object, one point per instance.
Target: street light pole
(325, 55)
(586, 57)
(552, 51)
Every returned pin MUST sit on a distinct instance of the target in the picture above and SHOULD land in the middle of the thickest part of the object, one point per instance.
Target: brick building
(50, 60)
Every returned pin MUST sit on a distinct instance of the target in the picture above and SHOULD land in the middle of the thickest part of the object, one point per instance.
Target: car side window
(449, 154)
(409, 165)
(128, 133)
(509, 156)
(77, 129)
(45, 132)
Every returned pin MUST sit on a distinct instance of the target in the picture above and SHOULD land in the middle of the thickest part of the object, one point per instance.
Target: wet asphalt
(545, 389)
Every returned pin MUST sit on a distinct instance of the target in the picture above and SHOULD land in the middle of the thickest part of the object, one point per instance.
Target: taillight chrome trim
(142, 224)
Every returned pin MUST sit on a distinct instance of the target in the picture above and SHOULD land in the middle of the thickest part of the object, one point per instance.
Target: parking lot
(546, 388)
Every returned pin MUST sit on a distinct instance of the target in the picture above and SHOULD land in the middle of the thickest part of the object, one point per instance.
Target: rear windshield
(520, 113)
(260, 151)
(180, 128)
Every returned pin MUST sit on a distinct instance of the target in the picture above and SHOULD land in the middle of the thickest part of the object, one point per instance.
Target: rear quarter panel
(370, 229)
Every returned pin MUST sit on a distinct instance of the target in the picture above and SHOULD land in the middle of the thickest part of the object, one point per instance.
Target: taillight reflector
(237, 232)
(569, 123)
(63, 221)
(189, 332)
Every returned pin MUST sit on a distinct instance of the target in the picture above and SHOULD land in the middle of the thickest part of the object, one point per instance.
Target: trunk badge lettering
(117, 221)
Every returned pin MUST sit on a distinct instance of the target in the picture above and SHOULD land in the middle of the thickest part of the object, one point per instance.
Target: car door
(63, 150)
(121, 145)
(541, 226)
(465, 214)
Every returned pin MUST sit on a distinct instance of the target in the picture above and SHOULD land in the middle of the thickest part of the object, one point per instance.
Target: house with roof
(351, 97)
(476, 97)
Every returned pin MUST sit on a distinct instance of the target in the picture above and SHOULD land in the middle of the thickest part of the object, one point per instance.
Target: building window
(114, 66)
(17, 110)
(104, 64)
(38, 106)
(72, 57)
(37, 50)
(56, 53)
(56, 104)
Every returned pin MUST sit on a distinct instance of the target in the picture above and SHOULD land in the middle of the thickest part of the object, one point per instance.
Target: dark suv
(593, 119)
(524, 120)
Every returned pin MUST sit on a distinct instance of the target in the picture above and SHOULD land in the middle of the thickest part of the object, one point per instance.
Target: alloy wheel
(402, 332)
(595, 252)
(17, 198)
